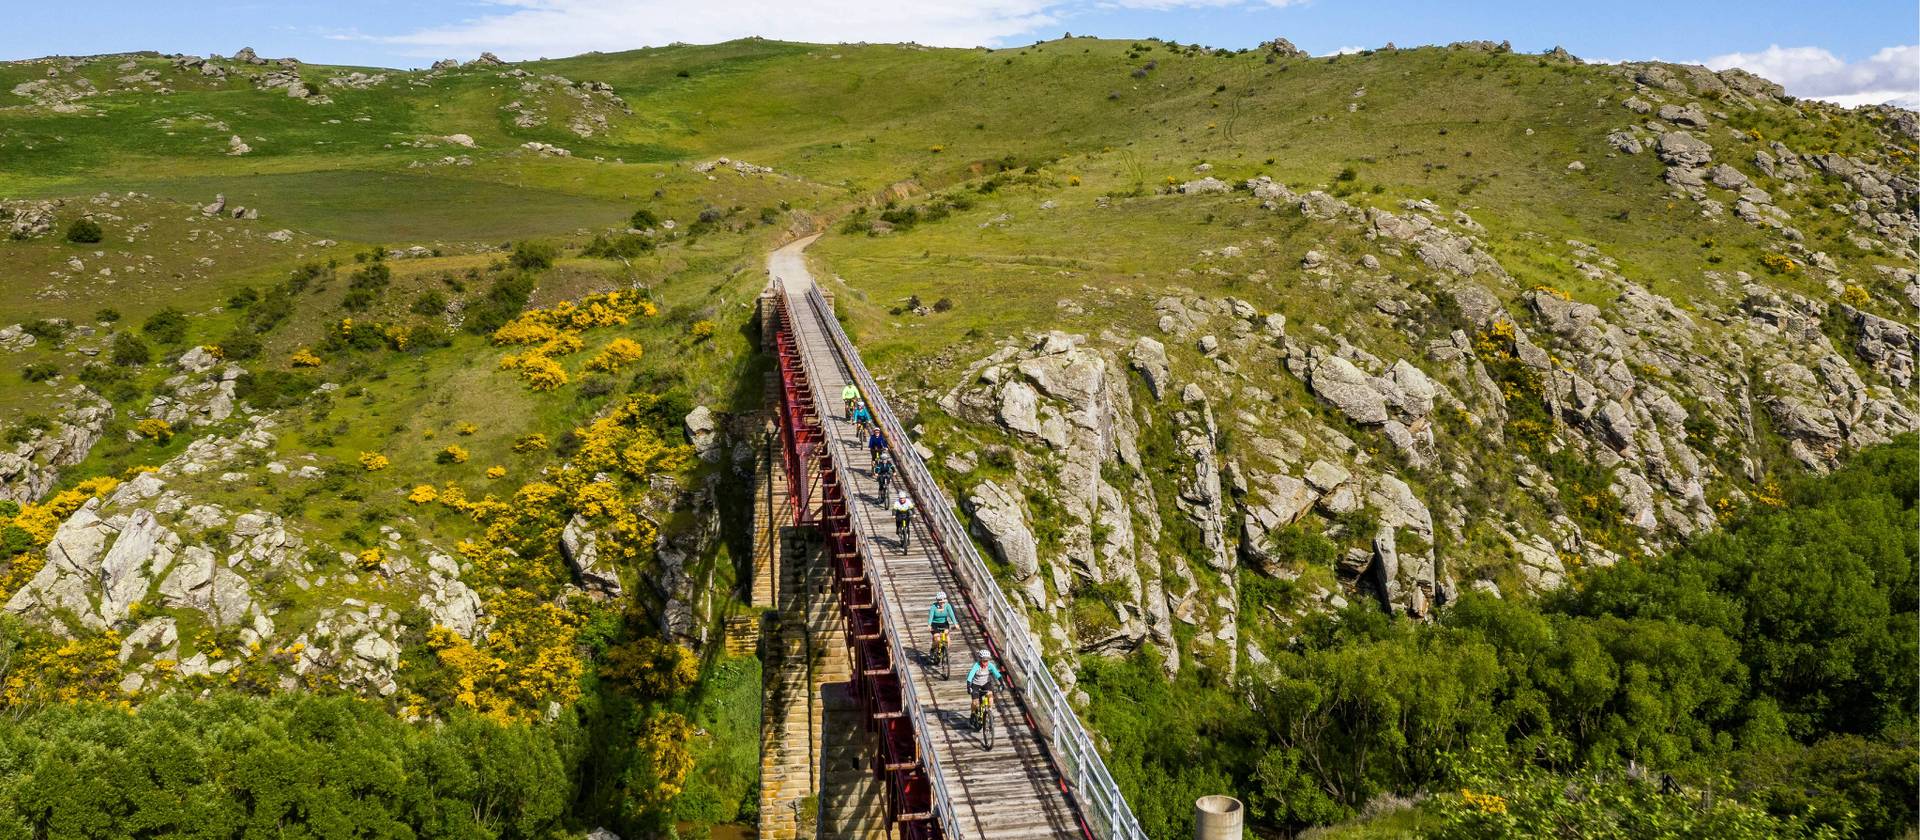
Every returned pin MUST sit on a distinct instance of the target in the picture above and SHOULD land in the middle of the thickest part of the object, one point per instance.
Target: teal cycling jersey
(940, 615)
(983, 675)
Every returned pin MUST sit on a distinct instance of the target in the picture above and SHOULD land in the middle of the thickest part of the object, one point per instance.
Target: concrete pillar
(1218, 818)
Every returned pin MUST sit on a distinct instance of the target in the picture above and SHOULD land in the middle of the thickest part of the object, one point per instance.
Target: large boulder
(999, 521)
(1338, 381)
(1149, 356)
(703, 431)
(1682, 149)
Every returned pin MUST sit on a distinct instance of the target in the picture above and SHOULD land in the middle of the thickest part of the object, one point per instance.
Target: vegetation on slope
(1773, 664)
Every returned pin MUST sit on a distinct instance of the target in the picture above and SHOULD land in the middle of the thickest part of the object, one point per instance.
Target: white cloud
(1159, 5)
(1346, 51)
(1890, 75)
(522, 29)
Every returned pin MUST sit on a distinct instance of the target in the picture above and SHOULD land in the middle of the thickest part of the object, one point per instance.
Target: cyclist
(850, 395)
(861, 417)
(983, 677)
(940, 619)
(883, 471)
(876, 443)
(902, 515)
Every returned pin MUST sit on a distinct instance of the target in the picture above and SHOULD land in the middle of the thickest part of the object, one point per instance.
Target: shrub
(535, 442)
(430, 303)
(154, 429)
(240, 345)
(127, 350)
(533, 256)
(423, 494)
(496, 472)
(39, 372)
(702, 330)
(643, 219)
(454, 454)
(374, 461)
(107, 315)
(623, 246)
(503, 302)
(619, 353)
(304, 357)
(274, 389)
(49, 330)
(84, 231)
(27, 428)
(542, 373)
(467, 430)
(247, 296)
(168, 326)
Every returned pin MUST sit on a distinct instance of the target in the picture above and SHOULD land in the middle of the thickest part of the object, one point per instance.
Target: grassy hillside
(1295, 335)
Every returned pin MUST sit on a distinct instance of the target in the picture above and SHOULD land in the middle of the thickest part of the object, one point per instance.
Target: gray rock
(1690, 116)
(999, 521)
(1726, 177)
(1150, 358)
(580, 547)
(1325, 476)
(1626, 142)
(1208, 184)
(703, 433)
(1682, 149)
(1337, 381)
(1019, 408)
(124, 569)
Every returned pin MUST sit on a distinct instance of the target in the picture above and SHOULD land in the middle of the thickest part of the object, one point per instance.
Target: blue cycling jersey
(983, 675)
(940, 614)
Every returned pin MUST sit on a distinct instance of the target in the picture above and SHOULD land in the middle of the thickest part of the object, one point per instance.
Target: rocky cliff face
(1445, 425)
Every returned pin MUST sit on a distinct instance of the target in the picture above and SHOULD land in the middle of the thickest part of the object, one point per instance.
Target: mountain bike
(983, 718)
(902, 529)
(940, 654)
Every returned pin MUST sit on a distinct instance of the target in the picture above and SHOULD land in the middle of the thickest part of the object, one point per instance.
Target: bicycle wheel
(986, 724)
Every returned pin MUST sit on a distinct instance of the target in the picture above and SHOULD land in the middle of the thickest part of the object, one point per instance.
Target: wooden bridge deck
(1011, 791)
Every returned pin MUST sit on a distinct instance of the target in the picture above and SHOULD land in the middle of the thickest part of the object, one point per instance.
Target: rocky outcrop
(201, 394)
(580, 546)
(34, 466)
(153, 546)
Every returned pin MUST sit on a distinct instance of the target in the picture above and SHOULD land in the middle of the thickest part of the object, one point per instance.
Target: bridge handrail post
(1082, 769)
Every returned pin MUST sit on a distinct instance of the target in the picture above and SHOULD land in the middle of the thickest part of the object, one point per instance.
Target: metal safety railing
(1083, 772)
(943, 811)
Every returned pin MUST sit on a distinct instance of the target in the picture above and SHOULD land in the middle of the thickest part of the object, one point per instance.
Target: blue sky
(1847, 51)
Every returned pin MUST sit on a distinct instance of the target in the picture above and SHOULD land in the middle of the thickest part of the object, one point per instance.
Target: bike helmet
(982, 655)
(939, 596)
